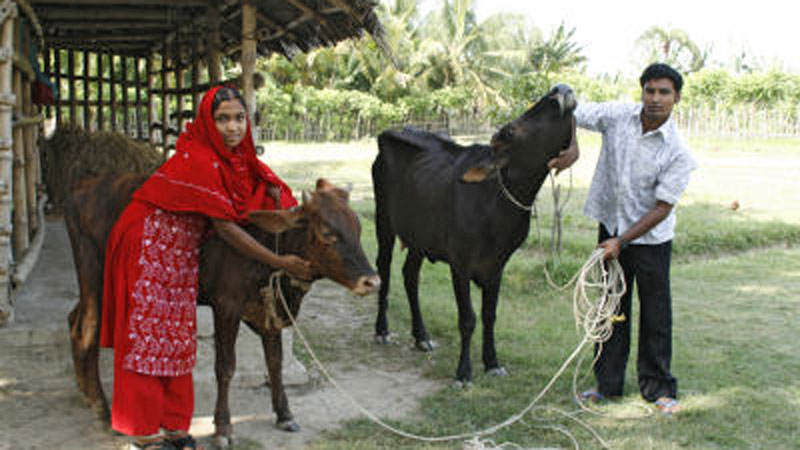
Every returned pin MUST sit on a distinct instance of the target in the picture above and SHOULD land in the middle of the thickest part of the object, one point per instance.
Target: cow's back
(416, 180)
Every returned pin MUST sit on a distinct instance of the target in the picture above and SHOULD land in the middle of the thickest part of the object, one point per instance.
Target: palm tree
(672, 46)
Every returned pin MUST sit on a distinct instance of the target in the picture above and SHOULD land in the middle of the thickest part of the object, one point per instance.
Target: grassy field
(736, 283)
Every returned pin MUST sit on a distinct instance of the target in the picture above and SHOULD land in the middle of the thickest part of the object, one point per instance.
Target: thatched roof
(142, 27)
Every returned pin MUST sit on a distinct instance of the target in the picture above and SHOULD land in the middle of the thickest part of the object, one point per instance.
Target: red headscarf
(206, 177)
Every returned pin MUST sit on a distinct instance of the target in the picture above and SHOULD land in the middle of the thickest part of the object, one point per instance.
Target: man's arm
(653, 217)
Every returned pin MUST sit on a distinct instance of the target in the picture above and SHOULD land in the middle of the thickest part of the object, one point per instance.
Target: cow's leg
(386, 240)
(84, 325)
(273, 351)
(491, 292)
(411, 269)
(466, 325)
(226, 329)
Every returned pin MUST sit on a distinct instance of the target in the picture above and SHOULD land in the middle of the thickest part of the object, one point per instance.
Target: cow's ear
(478, 173)
(277, 220)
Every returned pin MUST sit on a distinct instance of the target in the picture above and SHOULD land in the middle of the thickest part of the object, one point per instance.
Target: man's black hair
(660, 70)
(227, 93)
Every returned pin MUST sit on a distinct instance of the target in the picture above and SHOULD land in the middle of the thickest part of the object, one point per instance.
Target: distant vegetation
(451, 68)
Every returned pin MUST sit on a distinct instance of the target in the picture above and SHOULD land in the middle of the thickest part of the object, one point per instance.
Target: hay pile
(72, 154)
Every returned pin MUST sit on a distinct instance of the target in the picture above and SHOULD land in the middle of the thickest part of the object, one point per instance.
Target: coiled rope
(593, 317)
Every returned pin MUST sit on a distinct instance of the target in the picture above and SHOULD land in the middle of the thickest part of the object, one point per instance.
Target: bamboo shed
(136, 67)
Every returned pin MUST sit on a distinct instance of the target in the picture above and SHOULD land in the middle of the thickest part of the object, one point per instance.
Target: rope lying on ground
(595, 318)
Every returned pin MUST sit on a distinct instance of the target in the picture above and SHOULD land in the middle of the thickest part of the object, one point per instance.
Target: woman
(149, 304)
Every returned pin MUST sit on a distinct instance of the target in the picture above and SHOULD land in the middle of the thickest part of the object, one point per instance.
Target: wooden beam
(89, 37)
(117, 3)
(86, 118)
(115, 13)
(71, 83)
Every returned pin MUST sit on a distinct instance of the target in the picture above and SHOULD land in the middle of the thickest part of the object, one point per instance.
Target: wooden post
(151, 101)
(196, 92)
(125, 113)
(248, 58)
(57, 63)
(87, 120)
(137, 79)
(178, 95)
(31, 157)
(100, 75)
(20, 216)
(164, 99)
(73, 115)
(46, 55)
(112, 92)
(7, 102)
(214, 44)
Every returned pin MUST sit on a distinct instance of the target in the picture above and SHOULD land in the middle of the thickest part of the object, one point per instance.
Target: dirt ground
(40, 407)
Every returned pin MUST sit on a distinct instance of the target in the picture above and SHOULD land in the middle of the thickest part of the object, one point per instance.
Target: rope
(510, 196)
(596, 323)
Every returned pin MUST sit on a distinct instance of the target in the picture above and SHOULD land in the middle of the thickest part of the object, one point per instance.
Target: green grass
(736, 290)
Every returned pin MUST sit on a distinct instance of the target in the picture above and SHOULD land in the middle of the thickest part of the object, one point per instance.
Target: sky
(608, 29)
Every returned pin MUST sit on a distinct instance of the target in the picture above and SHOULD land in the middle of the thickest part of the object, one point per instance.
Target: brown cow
(324, 230)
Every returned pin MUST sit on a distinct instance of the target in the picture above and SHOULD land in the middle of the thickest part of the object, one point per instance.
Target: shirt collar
(666, 130)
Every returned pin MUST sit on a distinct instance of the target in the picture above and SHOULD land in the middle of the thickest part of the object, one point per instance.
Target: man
(642, 170)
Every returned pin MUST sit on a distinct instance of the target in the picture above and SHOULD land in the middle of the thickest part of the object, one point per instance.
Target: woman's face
(231, 121)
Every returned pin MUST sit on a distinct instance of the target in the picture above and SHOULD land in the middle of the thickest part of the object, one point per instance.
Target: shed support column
(21, 233)
(248, 61)
(151, 101)
(7, 101)
(214, 45)
(100, 97)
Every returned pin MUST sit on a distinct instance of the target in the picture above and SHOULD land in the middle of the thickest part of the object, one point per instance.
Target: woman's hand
(296, 266)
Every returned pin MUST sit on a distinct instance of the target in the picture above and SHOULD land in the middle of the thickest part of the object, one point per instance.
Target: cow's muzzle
(367, 284)
(565, 97)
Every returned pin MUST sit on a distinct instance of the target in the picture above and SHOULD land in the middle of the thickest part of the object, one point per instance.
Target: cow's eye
(506, 133)
(327, 236)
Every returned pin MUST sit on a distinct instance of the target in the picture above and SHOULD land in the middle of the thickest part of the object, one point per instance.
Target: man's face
(659, 97)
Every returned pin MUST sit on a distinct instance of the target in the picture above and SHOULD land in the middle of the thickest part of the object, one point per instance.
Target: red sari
(150, 288)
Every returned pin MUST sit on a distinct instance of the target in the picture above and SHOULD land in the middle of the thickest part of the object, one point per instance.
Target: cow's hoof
(288, 425)
(383, 339)
(497, 372)
(425, 346)
(223, 442)
(462, 385)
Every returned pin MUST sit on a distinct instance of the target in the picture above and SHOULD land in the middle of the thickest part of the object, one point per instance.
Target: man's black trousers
(647, 267)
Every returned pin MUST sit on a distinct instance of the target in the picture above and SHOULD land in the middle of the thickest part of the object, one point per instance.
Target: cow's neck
(523, 184)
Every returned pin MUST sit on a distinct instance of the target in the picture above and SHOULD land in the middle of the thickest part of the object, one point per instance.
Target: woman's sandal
(155, 445)
(667, 406)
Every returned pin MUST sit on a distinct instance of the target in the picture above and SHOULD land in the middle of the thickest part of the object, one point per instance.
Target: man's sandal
(181, 443)
(591, 396)
(667, 406)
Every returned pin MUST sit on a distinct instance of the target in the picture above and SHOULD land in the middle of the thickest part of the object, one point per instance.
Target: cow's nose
(367, 284)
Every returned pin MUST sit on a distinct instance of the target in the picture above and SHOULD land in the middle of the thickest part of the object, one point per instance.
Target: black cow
(467, 206)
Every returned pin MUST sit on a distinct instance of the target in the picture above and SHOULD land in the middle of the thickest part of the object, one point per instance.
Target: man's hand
(565, 159)
(611, 248)
(568, 156)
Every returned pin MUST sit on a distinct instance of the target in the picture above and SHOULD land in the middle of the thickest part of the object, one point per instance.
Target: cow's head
(332, 236)
(532, 139)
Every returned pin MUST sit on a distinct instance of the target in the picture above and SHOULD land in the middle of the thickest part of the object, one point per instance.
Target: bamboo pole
(126, 125)
(20, 233)
(164, 100)
(7, 101)
(71, 80)
(31, 157)
(151, 101)
(100, 125)
(137, 62)
(179, 97)
(195, 77)
(112, 92)
(57, 64)
(87, 120)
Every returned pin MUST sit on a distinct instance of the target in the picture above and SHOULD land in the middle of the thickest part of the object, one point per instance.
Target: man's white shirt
(634, 170)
